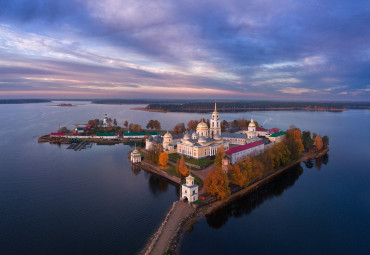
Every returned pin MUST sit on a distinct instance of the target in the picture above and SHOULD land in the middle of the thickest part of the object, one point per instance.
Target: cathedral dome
(186, 136)
(194, 136)
(251, 124)
(202, 126)
(202, 139)
(167, 135)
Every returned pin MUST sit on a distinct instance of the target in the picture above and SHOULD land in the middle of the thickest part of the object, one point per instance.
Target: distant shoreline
(246, 109)
(147, 110)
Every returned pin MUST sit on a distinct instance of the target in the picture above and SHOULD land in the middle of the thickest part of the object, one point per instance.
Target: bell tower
(215, 123)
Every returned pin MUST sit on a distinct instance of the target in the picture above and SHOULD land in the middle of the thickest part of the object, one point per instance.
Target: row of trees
(242, 123)
(315, 142)
(252, 168)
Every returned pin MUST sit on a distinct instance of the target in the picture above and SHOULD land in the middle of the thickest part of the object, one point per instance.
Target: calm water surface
(58, 201)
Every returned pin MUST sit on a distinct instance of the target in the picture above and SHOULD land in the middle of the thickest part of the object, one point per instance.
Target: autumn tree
(217, 183)
(154, 152)
(295, 133)
(182, 167)
(224, 125)
(220, 154)
(63, 130)
(125, 123)
(177, 166)
(163, 159)
(318, 142)
(179, 128)
(115, 122)
(281, 154)
(237, 177)
(192, 124)
(246, 169)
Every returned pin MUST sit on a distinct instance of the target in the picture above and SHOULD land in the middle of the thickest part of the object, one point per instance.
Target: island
(213, 162)
(214, 168)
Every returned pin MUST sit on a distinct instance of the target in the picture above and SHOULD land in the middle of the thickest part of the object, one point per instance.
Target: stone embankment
(150, 168)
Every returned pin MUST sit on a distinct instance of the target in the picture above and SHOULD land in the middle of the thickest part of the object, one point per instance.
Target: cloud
(254, 49)
(296, 91)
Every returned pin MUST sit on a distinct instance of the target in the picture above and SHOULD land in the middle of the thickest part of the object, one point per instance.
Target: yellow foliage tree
(318, 142)
(182, 167)
(163, 159)
(237, 177)
(296, 134)
(217, 183)
(220, 154)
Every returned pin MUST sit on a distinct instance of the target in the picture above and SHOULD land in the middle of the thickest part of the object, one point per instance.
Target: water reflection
(318, 162)
(157, 184)
(251, 201)
(136, 169)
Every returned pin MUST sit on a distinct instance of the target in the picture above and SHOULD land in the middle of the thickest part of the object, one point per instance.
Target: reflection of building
(242, 151)
(204, 142)
(189, 190)
(135, 156)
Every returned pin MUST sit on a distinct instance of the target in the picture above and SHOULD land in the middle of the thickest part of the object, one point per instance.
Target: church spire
(215, 107)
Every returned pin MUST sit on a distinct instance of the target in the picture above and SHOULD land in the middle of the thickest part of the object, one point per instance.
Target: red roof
(58, 134)
(274, 130)
(261, 129)
(244, 147)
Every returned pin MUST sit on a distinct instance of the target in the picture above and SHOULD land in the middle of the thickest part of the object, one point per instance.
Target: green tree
(325, 141)
(307, 140)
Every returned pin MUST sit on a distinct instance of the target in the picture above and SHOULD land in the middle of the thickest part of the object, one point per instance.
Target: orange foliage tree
(220, 154)
(163, 159)
(296, 134)
(318, 142)
(182, 167)
(237, 177)
(217, 183)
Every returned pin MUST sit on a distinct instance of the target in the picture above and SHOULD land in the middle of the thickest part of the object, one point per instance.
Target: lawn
(199, 162)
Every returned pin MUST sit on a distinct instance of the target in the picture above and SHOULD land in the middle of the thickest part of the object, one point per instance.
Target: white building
(135, 156)
(105, 121)
(189, 190)
(242, 151)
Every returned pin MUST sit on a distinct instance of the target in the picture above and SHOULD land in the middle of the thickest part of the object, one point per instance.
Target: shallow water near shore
(54, 200)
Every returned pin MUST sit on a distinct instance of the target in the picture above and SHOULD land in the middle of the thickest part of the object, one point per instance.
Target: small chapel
(189, 190)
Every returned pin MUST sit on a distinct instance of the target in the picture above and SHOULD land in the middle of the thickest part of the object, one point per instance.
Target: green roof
(140, 133)
(278, 134)
(80, 128)
(105, 134)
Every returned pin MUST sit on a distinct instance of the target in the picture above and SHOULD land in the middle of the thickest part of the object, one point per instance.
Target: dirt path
(202, 174)
(169, 228)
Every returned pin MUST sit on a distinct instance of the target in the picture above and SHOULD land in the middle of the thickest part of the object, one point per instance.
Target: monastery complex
(205, 141)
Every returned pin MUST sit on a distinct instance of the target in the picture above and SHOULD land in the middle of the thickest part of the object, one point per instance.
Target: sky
(193, 49)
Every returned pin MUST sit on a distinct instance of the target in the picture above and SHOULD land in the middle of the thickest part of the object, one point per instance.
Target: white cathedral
(204, 141)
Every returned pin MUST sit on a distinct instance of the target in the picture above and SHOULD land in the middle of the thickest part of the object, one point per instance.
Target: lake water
(59, 201)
